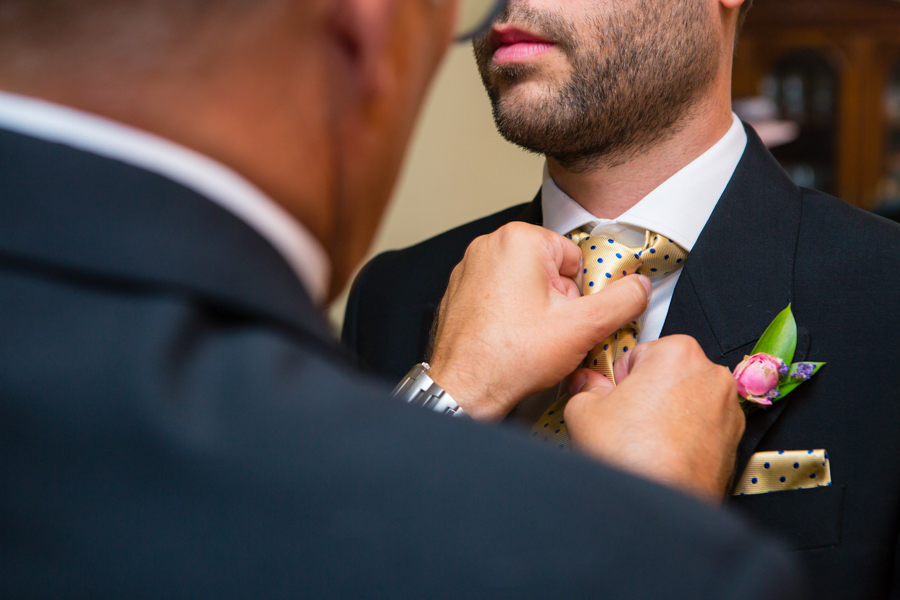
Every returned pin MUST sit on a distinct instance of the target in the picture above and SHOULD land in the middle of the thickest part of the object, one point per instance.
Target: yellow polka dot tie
(607, 261)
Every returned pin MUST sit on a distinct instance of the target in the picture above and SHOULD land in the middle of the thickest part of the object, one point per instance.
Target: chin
(524, 98)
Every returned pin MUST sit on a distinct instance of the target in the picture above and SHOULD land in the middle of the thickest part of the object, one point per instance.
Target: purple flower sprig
(804, 371)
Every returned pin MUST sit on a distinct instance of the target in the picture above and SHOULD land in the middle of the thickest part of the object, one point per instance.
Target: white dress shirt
(678, 209)
(207, 177)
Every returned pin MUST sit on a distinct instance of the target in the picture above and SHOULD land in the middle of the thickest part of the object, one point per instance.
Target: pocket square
(784, 470)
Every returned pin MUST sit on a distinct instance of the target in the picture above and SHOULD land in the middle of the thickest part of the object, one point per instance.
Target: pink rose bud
(757, 377)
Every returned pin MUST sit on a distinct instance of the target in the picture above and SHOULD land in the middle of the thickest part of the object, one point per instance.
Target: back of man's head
(91, 34)
(313, 101)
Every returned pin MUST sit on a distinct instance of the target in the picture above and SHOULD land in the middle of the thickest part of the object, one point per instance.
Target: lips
(511, 44)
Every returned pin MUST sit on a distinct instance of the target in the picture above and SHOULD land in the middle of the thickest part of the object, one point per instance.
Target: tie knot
(606, 260)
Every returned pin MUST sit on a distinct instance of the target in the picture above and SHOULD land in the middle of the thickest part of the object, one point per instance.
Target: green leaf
(790, 383)
(780, 338)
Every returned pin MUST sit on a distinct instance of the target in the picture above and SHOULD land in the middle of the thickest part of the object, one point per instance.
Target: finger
(572, 289)
(566, 255)
(586, 380)
(622, 367)
(599, 315)
(633, 359)
(581, 411)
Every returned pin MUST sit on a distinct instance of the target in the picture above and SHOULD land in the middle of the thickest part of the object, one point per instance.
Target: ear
(361, 29)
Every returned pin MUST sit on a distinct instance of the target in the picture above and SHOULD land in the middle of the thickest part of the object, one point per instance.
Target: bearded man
(649, 171)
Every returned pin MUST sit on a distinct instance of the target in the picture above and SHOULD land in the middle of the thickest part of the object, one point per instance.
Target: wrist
(472, 394)
(419, 389)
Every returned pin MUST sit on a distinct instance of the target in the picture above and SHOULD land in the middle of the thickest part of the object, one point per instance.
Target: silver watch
(419, 389)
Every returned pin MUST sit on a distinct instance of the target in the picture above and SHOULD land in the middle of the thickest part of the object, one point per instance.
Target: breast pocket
(805, 519)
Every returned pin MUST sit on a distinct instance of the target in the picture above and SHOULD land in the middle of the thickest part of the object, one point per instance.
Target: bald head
(38, 19)
(95, 34)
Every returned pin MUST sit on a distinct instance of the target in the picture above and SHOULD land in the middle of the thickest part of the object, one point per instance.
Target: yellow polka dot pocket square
(784, 470)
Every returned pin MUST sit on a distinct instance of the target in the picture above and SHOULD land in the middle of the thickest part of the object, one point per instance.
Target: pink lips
(514, 45)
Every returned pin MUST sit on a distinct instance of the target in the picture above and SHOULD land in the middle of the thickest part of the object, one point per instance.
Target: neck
(607, 191)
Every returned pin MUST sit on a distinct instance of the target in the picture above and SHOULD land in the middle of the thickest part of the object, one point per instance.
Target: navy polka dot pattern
(784, 470)
(603, 264)
(655, 257)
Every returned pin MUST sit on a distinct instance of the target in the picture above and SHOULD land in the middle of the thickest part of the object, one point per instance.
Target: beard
(633, 77)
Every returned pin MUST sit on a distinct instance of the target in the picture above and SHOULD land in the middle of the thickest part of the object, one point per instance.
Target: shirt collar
(678, 209)
(207, 177)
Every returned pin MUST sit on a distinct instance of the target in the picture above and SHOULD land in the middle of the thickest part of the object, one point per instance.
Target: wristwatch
(419, 389)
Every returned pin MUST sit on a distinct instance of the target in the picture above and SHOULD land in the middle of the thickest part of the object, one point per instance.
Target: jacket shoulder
(822, 205)
(854, 230)
(845, 257)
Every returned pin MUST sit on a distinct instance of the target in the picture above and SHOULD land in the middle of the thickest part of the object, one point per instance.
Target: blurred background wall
(819, 79)
(832, 69)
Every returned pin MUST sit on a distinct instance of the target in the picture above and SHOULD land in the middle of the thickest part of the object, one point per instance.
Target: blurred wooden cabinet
(832, 66)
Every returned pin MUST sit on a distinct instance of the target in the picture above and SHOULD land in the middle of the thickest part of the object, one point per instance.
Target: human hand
(513, 321)
(674, 416)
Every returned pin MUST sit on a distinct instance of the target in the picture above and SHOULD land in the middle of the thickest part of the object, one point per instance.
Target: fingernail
(647, 285)
(577, 382)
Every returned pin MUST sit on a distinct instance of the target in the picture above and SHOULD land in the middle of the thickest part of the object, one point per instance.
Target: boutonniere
(768, 375)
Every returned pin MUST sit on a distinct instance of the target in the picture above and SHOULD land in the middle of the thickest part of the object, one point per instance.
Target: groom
(630, 103)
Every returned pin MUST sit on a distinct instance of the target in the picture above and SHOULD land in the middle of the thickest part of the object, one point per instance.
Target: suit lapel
(532, 212)
(739, 275)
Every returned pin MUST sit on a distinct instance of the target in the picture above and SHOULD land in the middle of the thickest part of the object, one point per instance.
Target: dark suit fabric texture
(768, 243)
(177, 421)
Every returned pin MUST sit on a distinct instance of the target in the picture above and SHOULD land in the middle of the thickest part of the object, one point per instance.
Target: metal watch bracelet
(419, 389)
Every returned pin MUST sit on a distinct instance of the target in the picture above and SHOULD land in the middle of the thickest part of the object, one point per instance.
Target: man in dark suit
(630, 102)
(176, 420)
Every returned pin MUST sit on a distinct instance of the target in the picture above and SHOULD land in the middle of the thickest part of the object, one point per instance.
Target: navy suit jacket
(176, 421)
(768, 243)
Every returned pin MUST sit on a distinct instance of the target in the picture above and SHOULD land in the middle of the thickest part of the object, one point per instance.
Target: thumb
(586, 380)
(581, 410)
(600, 315)
(622, 366)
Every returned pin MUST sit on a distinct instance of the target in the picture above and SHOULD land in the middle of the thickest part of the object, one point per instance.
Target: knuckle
(689, 344)
(727, 377)
(683, 346)
(456, 274)
(471, 249)
(511, 231)
(729, 385)
(481, 240)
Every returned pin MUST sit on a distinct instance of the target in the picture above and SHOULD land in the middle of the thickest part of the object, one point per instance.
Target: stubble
(634, 76)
